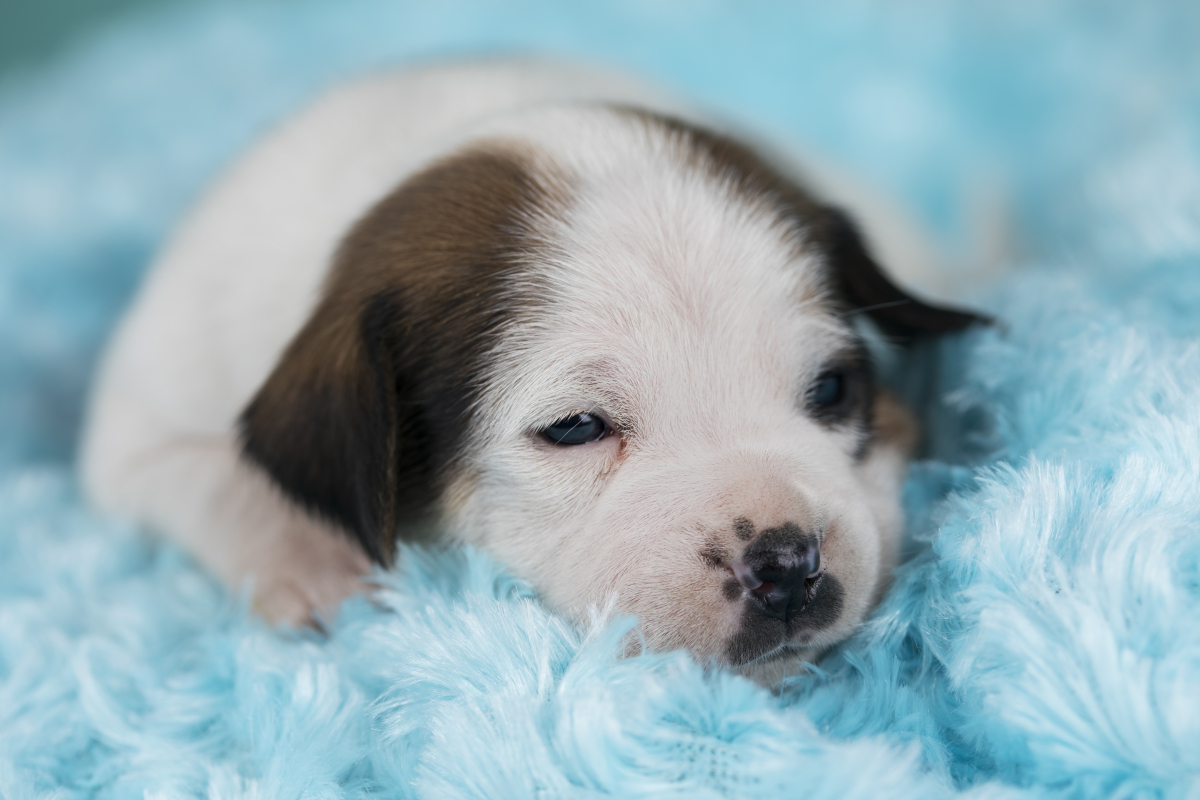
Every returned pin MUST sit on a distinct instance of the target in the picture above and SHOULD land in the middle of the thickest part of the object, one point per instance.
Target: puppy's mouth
(778, 623)
(758, 644)
(784, 652)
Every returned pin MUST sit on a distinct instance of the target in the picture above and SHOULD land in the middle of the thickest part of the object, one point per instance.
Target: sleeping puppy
(535, 309)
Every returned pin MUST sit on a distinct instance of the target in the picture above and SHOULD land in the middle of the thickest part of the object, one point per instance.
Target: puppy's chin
(768, 671)
(771, 671)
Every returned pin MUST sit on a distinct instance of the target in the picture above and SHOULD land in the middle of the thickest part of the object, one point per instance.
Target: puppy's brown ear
(327, 424)
(867, 289)
(365, 412)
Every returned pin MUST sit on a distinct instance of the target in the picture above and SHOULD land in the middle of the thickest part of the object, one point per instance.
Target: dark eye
(576, 429)
(829, 391)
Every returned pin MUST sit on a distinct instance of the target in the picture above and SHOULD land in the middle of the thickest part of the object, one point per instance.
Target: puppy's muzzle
(781, 570)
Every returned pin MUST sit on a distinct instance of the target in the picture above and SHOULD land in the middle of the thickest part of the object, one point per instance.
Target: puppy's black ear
(867, 289)
(327, 425)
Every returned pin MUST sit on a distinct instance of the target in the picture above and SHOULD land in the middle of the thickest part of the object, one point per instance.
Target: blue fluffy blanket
(1043, 638)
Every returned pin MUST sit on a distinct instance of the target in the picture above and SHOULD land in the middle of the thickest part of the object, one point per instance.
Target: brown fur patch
(894, 423)
(361, 419)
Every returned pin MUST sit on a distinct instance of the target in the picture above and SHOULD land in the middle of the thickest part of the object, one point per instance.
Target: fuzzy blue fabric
(1041, 640)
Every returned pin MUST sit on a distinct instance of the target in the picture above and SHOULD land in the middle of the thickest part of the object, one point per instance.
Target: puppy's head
(617, 352)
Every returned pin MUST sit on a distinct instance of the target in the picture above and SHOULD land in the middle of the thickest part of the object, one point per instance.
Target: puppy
(539, 310)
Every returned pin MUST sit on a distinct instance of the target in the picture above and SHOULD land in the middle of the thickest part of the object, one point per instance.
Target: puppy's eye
(837, 394)
(577, 429)
(829, 390)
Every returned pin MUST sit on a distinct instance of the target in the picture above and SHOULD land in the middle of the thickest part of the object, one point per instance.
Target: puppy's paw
(307, 586)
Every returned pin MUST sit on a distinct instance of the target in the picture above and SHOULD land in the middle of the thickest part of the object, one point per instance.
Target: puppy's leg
(203, 495)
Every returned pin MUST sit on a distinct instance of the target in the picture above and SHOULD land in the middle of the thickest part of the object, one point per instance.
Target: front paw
(307, 586)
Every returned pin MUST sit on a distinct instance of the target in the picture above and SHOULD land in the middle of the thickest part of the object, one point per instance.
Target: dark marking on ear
(327, 426)
(855, 276)
(867, 288)
(363, 418)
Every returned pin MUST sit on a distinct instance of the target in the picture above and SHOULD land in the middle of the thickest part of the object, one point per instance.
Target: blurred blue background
(33, 32)
(1014, 649)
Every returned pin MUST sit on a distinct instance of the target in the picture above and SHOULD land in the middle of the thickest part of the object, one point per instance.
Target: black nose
(779, 569)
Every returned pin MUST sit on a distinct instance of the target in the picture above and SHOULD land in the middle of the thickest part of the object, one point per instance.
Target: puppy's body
(381, 315)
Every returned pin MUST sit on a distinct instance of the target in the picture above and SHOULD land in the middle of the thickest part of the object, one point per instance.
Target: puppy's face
(615, 351)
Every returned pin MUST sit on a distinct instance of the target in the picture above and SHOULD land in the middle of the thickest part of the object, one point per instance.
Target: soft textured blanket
(1043, 638)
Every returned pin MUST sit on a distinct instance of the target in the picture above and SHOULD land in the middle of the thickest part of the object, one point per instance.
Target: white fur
(706, 373)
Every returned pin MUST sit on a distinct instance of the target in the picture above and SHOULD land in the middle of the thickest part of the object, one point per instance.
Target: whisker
(877, 306)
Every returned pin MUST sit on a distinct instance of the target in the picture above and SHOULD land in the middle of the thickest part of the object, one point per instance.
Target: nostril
(764, 589)
(781, 571)
(746, 577)
(814, 564)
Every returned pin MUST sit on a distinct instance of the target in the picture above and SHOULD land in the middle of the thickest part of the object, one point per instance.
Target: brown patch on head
(858, 282)
(362, 418)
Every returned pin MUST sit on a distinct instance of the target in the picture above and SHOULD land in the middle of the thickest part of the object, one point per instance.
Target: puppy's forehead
(674, 264)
